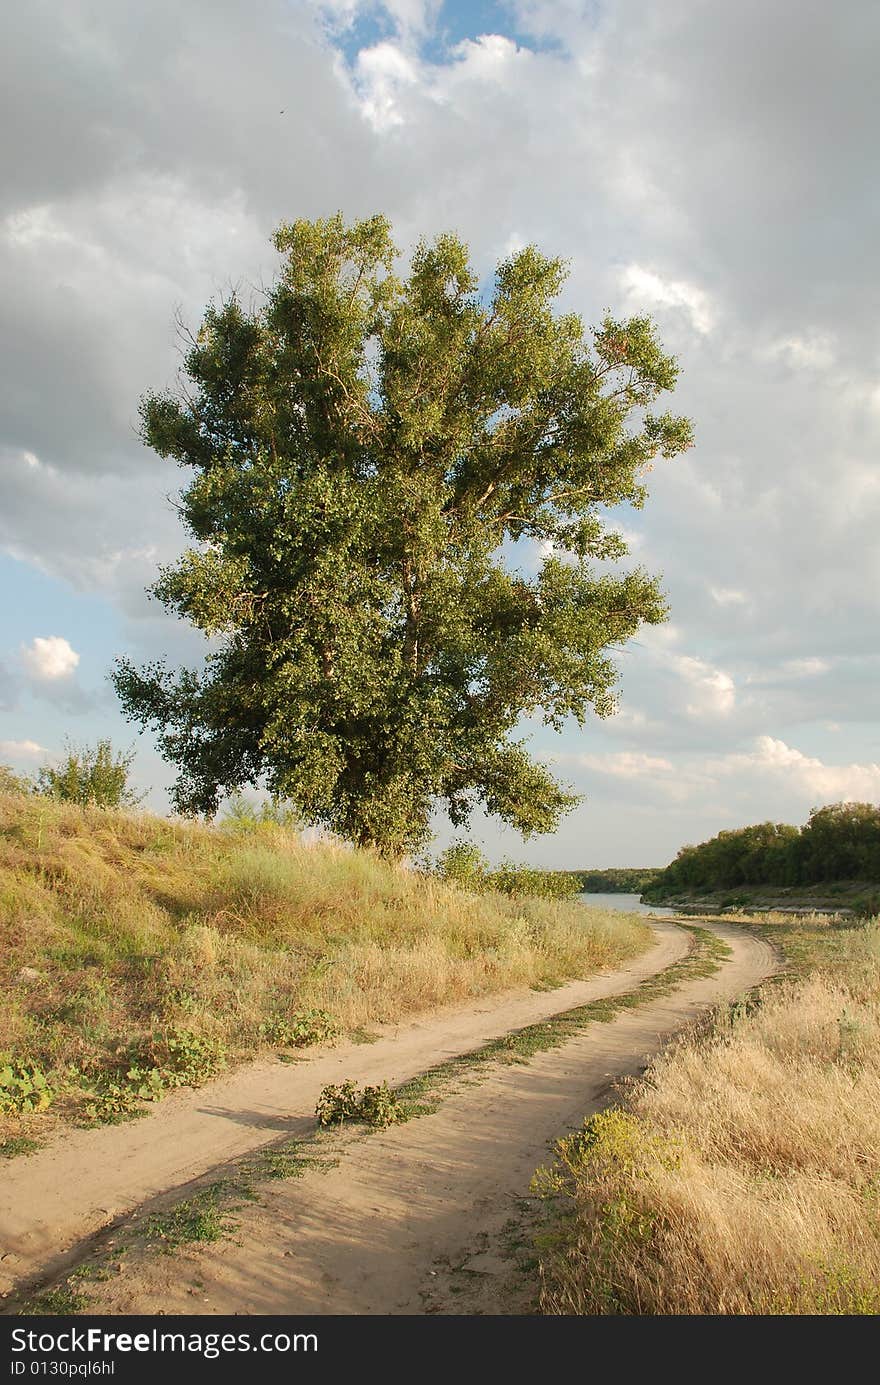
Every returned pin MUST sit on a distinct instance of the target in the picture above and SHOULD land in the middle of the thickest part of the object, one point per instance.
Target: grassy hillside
(138, 953)
(741, 1176)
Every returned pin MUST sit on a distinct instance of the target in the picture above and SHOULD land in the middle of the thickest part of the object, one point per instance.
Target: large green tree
(363, 448)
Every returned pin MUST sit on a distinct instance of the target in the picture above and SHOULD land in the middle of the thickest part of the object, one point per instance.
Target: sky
(711, 164)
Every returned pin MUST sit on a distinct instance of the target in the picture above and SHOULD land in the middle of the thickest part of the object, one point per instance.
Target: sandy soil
(86, 1179)
(424, 1217)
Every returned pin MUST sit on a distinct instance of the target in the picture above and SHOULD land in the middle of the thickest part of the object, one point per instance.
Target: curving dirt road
(413, 1219)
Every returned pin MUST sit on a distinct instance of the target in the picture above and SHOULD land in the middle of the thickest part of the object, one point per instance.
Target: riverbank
(834, 897)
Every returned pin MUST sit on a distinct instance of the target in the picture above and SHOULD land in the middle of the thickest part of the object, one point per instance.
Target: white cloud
(22, 750)
(804, 774)
(383, 73)
(809, 351)
(806, 668)
(710, 691)
(728, 596)
(648, 289)
(49, 659)
(625, 764)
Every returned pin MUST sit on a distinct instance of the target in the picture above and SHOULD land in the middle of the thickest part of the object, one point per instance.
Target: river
(627, 903)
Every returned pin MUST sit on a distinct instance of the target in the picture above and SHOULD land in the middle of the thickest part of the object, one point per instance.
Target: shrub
(463, 864)
(299, 1031)
(91, 776)
(376, 1106)
(240, 815)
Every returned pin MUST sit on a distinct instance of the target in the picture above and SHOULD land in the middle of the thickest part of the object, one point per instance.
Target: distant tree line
(838, 842)
(629, 880)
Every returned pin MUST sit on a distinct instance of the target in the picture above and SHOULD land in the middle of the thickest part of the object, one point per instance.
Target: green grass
(204, 1218)
(424, 1094)
(63, 1301)
(15, 1146)
(126, 939)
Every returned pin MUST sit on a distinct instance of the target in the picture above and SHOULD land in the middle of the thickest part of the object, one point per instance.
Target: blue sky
(709, 164)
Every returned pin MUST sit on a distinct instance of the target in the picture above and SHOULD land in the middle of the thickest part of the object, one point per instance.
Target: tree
(363, 448)
(10, 782)
(91, 775)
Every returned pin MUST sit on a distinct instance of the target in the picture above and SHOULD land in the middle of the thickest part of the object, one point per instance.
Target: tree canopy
(363, 449)
(840, 841)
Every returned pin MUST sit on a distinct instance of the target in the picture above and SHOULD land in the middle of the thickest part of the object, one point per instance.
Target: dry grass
(115, 927)
(743, 1175)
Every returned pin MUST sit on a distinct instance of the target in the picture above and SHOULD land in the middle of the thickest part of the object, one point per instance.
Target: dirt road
(412, 1219)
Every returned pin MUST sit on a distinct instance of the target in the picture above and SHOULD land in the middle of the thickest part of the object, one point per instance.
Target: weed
(23, 1088)
(16, 1145)
(176, 1058)
(203, 1218)
(376, 1106)
(299, 1030)
(58, 1302)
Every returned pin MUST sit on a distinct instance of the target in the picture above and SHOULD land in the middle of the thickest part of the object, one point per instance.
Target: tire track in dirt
(415, 1218)
(85, 1180)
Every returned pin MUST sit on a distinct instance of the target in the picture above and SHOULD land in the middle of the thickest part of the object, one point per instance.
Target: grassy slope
(741, 1177)
(129, 939)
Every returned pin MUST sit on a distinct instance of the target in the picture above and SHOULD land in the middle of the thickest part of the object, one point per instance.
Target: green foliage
(361, 447)
(91, 775)
(10, 782)
(525, 880)
(463, 864)
(175, 1058)
(838, 842)
(14, 1146)
(629, 880)
(376, 1106)
(241, 815)
(63, 1301)
(299, 1031)
(200, 1219)
(23, 1088)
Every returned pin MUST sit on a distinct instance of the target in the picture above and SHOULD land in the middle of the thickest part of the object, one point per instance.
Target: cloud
(22, 750)
(728, 596)
(711, 164)
(648, 290)
(804, 774)
(806, 668)
(50, 659)
(626, 764)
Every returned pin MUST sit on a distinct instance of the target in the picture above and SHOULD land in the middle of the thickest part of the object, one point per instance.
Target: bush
(243, 816)
(524, 880)
(299, 1031)
(464, 865)
(88, 775)
(176, 1058)
(377, 1106)
(10, 782)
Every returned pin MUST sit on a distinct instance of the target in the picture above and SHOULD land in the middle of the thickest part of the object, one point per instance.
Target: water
(626, 903)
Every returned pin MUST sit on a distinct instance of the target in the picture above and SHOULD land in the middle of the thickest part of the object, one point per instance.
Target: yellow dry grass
(742, 1177)
(115, 926)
